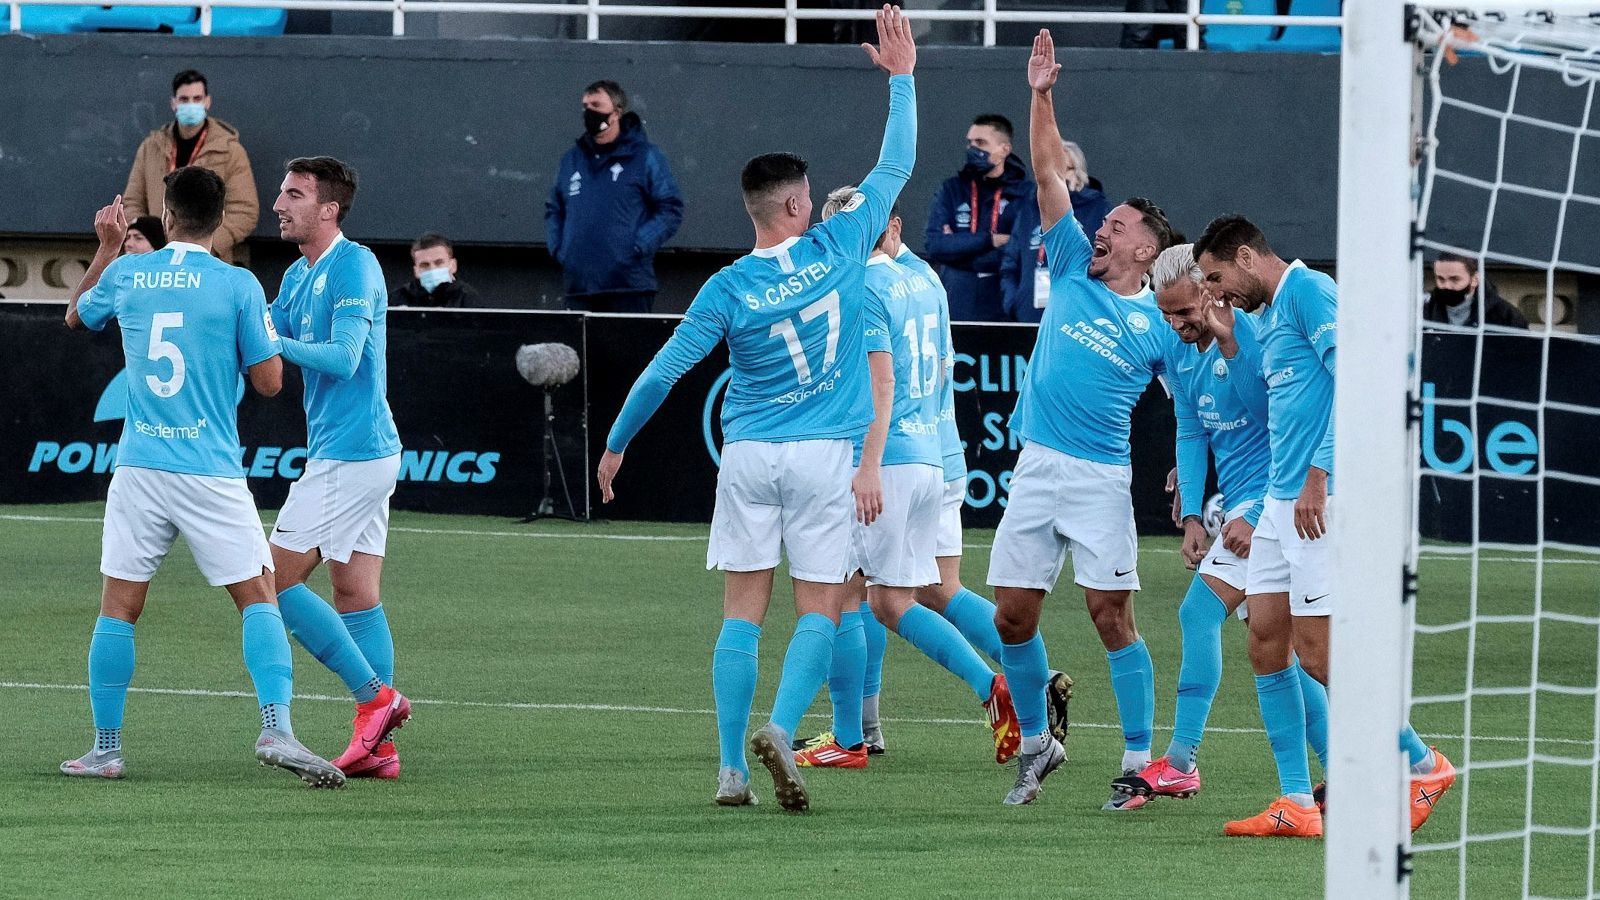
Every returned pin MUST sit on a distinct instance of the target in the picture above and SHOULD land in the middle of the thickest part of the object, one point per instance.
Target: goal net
(1499, 585)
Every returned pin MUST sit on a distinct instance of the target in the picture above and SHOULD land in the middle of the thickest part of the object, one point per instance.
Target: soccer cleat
(1319, 795)
(95, 764)
(1124, 802)
(383, 763)
(1033, 769)
(874, 737)
(1057, 691)
(771, 745)
(1427, 789)
(1159, 779)
(733, 788)
(277, 747)
(832, 756)
(820, 740)
(1284, 818)
(374, 721)
(1003, 720)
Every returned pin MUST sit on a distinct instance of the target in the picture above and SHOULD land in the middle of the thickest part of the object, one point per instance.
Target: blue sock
(846, 677)
(805, 667)
(369, 628)
(1133, 681)
(1201, 616)
(973, 616)
(1283, 712)
(1316, 700)
(266, 655)
(1411, 743)
(110, 671)
(877, 638)
(319, 629)
(933, 635)
(733, 684)
(1027, 670)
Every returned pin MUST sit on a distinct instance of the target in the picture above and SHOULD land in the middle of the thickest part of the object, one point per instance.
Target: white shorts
(146, 510)
(898, 548)
(948, 542)
(1282, 562)
(791, 497)
(1225, 565)
(339, 507)
(1060, 502)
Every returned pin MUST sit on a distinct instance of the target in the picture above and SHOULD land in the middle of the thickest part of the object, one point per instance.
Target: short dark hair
(336, 181)
(619, 97)
(433, 239)
(1469, 261)
(1154, 219)
(769, 170)
(189, 76)
(195, 197)
(1226, 234)
(997, 122)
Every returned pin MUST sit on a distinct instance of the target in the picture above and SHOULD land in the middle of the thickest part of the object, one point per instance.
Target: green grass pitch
(563, 742)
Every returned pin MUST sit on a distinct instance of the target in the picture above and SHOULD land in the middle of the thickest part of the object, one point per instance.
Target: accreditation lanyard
(994, 212)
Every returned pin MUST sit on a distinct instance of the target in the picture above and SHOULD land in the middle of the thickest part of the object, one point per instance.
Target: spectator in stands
(972, 219)
(1149, 36)
(1023, 290)
(144, 235)
(1454, 299)
(434, 282)
(195, 138)
(613, 205)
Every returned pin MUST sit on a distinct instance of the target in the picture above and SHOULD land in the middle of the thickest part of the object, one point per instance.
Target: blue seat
(241, 22)
(55, 19)
(1238, 37)
(139, 18)
(1310, 38)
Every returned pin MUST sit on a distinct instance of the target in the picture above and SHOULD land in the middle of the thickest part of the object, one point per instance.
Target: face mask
(977, 163)
(595, 122)
(1449, 297)
(191, 114)
(432, 278)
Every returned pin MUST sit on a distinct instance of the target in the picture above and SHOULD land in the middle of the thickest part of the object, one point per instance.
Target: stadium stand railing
(262, 17)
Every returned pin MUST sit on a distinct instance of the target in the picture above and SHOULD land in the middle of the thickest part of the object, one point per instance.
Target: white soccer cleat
(95, 764)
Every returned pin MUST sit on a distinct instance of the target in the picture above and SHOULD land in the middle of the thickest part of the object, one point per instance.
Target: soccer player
(1219, 395)
(792, 314)
(1100, 343)
(332, 312)
(1291, 562)
(190, 325)
(907, 343)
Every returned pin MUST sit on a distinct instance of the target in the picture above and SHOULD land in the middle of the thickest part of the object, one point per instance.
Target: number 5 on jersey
(790, 333)
(160, 349)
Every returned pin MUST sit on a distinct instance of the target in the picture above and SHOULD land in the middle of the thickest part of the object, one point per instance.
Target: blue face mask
(432, 278)
(977, 162)
(191, 114)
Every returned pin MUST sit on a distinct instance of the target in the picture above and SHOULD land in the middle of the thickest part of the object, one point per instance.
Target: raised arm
(1044, 136)
(111, 227)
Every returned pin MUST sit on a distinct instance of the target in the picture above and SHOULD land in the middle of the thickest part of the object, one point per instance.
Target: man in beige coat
(194, 138)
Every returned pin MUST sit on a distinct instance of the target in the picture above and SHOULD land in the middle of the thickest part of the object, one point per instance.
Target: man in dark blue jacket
(972, 217)
(613, 205)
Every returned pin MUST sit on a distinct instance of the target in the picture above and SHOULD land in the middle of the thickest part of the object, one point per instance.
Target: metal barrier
(592, 11)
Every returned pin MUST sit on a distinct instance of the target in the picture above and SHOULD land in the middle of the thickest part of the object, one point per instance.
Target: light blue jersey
(908, 317)
(347, 418)
(955, 455)
(1096, 352)
(1298, 341)
(191, 324)
(792, 316)
(1220, 408)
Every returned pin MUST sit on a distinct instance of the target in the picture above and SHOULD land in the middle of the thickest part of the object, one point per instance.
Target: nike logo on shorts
(1122, 574)
(1312, 599)
(1218, 562)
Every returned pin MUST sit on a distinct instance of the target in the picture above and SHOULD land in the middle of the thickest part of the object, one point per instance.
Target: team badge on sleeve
(272, 333)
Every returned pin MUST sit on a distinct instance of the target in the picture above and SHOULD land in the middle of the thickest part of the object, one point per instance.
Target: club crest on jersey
(1220, 370)
(1109, 327)
(1138, 323)
(320, 283)
(855, 202)
(616, 169)
(964, 216)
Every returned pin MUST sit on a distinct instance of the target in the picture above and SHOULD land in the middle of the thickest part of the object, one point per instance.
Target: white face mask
(432, 278)
(191, 114)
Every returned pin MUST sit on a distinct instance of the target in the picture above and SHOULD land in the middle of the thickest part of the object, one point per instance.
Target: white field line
(669, 710)
(671, 538)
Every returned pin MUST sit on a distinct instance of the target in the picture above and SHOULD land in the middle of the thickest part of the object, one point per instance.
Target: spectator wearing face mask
(613, 205)
(1454, 299)
(972, 217)
(434, 281)
(144, 235)
(194, 138)
(1024, 272)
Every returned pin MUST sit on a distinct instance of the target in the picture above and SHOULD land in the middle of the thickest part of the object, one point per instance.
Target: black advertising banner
(473, 430)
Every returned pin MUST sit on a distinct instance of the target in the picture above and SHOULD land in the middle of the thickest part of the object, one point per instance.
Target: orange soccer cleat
(1427, 789)
(1284, 818)
(1003, 721)
(832, 756)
